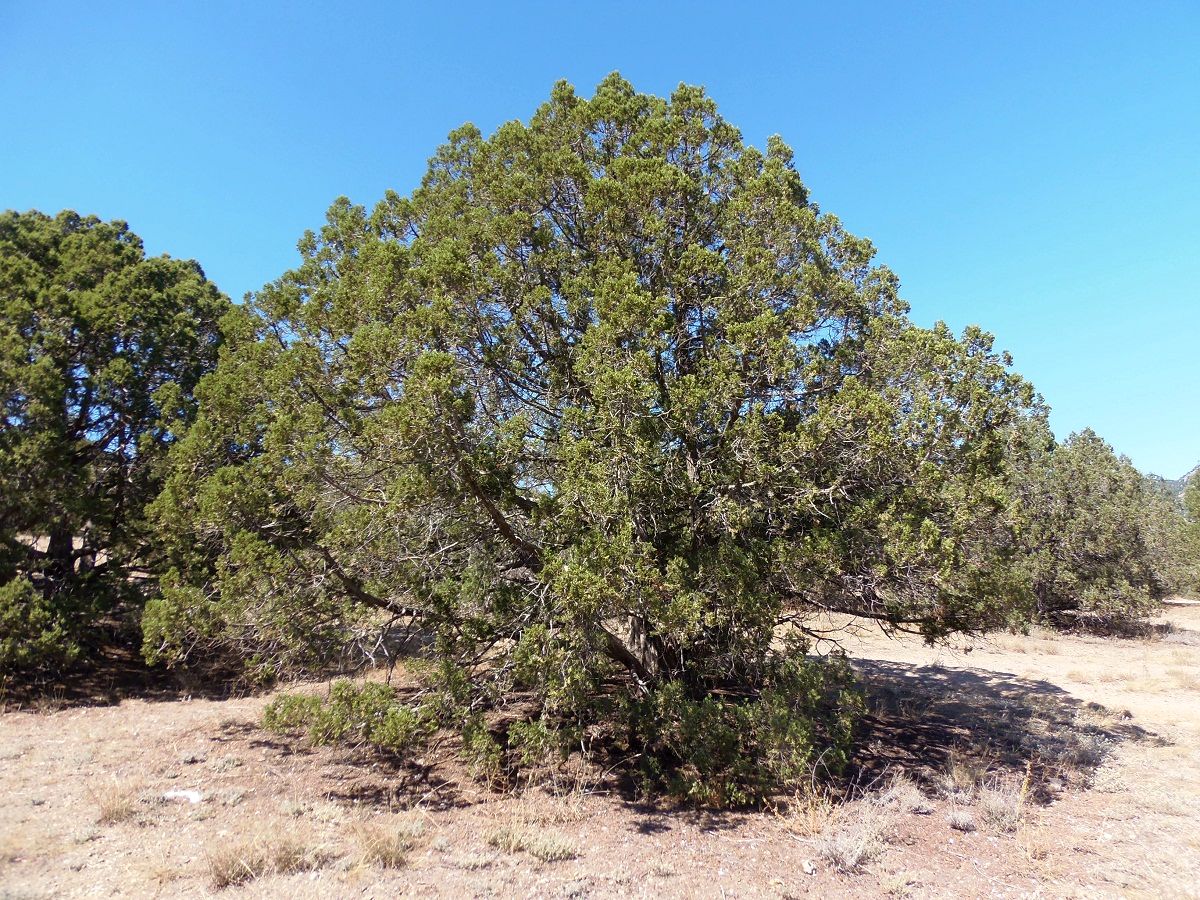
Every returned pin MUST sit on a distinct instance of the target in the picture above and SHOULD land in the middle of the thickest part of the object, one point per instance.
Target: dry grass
(859, 838)
(898, 884)
(1002, 803)
(471, 862)
(1187, 680)
(962, 773)
(903, 794)
(961, 819)
(386, 844)
(115, 802)
(381, 847)
(548, 846)
(809, 814)
(1035, 844)
(267, 854)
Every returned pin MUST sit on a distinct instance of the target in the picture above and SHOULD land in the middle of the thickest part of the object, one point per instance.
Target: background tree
(100, 350)
(1190, 579)
(601, 408)
(1101, 540)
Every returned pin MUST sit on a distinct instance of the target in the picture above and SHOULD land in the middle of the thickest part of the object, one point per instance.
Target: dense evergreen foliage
(607, 416)
(608, 397)
(1101, 542)
(100, 350)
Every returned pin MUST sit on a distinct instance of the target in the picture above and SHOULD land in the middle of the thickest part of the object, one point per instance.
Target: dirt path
(1104, 735)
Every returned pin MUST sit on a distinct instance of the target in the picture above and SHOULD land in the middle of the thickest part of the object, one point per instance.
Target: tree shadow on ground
(357, 776)
(926, 720)
(115, 671)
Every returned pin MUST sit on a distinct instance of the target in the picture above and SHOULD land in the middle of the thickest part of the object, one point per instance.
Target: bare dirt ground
(1041, 765)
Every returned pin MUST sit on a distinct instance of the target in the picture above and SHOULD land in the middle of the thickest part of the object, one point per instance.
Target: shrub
(1102, 544)
(723, 751)
(32, 634)
(366, 714)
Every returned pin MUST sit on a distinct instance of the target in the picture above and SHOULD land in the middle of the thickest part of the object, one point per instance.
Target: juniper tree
(1100, 539)
(100, 349)
(603, 407)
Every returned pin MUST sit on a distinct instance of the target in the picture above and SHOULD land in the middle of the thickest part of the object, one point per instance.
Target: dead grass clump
(961, 819)
(241, 862)
(1083, 750)
(547, 846)
(961, 774)
(903, 793)
(857, 841)
(809, 814)
(115, 802)
(897, 884)
(471, 862)
(1035, 844)
(386, 844)
(382, 847)
(1187, 680)
(1002, 804)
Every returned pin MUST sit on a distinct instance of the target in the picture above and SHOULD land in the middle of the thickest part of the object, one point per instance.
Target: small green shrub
(482, 752)
(288, 712)
(32, 635)
(732, 751)
(533, 743)
(368, 714)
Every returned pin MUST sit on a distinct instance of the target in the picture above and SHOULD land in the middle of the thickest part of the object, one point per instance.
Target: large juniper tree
(100, 349)
(607, 397)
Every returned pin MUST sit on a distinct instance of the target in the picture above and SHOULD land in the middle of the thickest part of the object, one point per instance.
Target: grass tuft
(547, 846)
(115, 802)
(1002, 804)
(962, 820)
(244, 861)
(853, 843)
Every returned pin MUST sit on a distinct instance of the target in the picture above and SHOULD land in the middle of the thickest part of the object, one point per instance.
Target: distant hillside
(1178, 485)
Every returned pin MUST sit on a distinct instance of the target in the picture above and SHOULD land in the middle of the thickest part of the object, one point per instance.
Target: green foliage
(1189, 539)
(291, 712)
(31, 634)
(481, 751)
(100, 350)
(607, 400)
(366, 714)
(723, 749)
(534, 743)
(1101, 541)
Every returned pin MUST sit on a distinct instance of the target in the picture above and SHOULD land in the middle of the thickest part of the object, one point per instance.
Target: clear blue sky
(1032, 167)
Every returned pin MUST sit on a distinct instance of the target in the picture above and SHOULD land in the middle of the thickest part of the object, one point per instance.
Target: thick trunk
(60, 554)
(630, 643)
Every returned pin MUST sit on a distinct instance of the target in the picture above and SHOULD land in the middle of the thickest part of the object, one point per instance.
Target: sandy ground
(1074, 760)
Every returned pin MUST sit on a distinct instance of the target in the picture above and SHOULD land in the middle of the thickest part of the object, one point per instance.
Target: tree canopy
(100, 351)
(607, 397)
(1101, 540)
